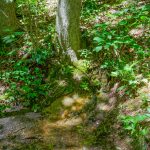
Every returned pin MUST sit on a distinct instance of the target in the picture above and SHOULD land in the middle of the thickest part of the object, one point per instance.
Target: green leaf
(128, 68)
(98, 49)
(123, 22)
(140, 118)
(143, 18)
(132, 82)
(109, 37)
(121, 88)
(144, 132)
(114, 74)
(26, 88)
(148, 109)
(97, 25)
(129, 128)
(107, 46)
(19, 33)
(98, 39)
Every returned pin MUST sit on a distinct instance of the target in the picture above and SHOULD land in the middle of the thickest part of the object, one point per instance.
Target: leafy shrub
(117, 52)
(136, 128)
(26, 79)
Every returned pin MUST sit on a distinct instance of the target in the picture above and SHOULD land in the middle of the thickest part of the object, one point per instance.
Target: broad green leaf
(114, 74)
(98, 39)
(140, 118)
(143, 18)
(107, 46)
(98, 49)
(128, 68)
(109, 37)
(131, 82)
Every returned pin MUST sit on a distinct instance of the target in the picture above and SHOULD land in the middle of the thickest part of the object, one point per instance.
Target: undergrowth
(120, 48)
(116, 44)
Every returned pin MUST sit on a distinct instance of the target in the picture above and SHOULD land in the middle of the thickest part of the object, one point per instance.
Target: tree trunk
(8, 19)
(68, 28)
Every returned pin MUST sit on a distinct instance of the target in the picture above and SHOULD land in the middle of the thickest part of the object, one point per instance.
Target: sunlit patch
(68, 101)
(137, 32)
(73, 103)
(62, 83)
(81, 67)
(77, 75)
(103, 107)
(75, 96)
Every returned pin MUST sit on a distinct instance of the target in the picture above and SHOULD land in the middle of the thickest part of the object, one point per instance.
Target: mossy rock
(53, 111)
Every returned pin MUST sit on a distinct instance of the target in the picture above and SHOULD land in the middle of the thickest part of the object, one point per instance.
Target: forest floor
(57, 129)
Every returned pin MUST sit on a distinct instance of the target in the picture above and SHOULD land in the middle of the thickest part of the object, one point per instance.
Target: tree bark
(68, 27)
(8, 19)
